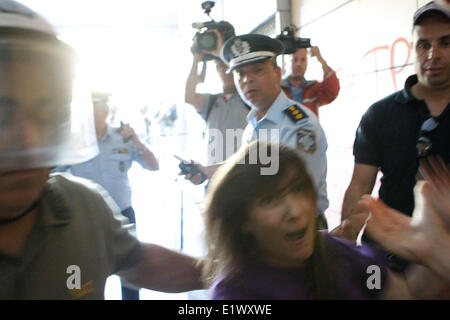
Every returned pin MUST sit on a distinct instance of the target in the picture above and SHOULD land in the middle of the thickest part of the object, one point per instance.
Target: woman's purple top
(353, 277)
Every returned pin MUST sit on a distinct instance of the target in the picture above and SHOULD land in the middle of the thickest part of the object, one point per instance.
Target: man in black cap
(407, 125)
(274, 117)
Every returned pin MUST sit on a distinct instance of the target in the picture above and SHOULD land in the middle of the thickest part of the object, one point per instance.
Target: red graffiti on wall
(395, 69)
(374, 51)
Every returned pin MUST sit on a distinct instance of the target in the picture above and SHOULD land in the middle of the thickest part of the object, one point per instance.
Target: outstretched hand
(434, 170)
(416, 238)
(391, 228)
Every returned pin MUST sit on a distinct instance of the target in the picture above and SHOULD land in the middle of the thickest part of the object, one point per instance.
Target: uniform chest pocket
(118, 164)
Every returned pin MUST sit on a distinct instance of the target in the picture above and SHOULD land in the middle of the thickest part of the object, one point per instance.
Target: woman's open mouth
(296, 235)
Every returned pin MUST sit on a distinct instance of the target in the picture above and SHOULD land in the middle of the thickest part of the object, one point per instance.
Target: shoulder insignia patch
(306, 141)
(295, 113)
(85, 289)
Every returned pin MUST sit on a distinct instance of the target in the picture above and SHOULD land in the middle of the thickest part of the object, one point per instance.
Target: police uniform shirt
(110, 167)
(299, 129)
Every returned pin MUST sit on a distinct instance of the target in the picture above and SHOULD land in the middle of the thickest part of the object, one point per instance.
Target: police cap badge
(249, 48)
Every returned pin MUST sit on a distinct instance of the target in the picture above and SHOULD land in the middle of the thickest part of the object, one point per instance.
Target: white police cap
(249, 48)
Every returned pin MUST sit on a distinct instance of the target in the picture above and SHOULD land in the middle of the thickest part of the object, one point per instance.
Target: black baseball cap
(429, 7)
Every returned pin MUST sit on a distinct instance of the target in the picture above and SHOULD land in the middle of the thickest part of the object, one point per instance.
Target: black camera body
(291, 42)
(207, 40)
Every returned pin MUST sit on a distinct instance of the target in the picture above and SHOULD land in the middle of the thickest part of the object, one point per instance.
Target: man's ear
(278, 71)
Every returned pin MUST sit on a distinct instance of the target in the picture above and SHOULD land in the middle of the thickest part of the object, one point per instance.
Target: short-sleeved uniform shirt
(386, 138)
(298, 128)
(228, 112)
(80, 232)
(110, 167)
(351, 266)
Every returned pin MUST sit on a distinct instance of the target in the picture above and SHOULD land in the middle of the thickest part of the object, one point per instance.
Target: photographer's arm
(315, 52)
(191, 96)
(328, 89)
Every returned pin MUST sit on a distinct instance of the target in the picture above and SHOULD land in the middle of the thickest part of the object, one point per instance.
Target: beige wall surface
(368, 43)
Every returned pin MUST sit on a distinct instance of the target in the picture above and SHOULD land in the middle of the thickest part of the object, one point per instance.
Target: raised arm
(315, 52)
(149, 161)
(328, 89)
(191, 96)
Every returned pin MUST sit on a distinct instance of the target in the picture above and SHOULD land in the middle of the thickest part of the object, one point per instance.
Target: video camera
(291, 42)
(206, 39)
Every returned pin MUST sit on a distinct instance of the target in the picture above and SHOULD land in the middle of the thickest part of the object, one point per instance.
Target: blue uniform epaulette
(295, 113)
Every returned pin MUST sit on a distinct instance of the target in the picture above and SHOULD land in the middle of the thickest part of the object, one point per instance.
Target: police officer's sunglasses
(424, 145)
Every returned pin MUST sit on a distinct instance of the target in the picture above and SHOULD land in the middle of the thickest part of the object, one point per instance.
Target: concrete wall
(368, 43)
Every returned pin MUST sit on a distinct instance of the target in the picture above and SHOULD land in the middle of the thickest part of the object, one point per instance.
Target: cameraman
(220, 111)
(312, 94)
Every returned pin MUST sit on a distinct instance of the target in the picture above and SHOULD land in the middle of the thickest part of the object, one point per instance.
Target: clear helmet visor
(46, 116)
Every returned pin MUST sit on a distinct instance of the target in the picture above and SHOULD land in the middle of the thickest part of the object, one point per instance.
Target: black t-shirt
(386, 138)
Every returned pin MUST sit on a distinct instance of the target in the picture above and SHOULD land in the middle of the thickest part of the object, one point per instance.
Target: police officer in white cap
(252, 59)
(60, 237)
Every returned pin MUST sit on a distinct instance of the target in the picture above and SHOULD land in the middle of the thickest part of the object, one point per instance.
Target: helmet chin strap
(23, 214)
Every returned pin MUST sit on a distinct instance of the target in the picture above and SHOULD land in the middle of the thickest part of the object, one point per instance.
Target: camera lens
(207, 41)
